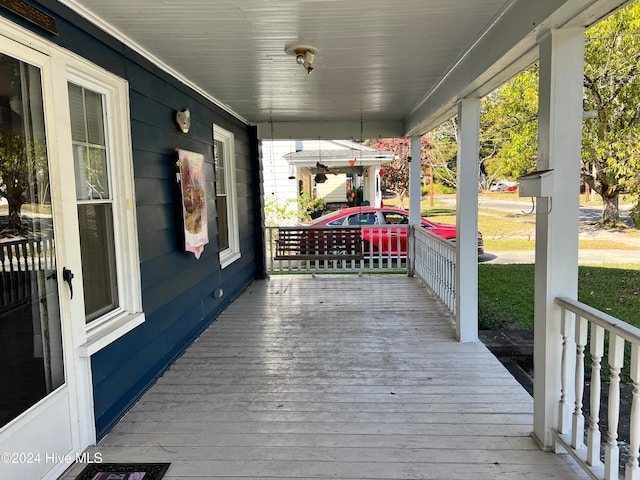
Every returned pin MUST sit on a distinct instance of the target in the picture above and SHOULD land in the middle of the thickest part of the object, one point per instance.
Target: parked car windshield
(395, 218)
(367, 218)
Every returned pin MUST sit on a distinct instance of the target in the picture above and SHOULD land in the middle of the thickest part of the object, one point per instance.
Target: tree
(22, 169)
(444, 148)
(396, 172)
(612, 93)
(509, 126)
(14, 178)
(443, 152)
(611, 90)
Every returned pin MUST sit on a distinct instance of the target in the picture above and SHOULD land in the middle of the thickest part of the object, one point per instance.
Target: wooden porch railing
(435, 264)
(380, 249)
(319, 243)
(604, 338)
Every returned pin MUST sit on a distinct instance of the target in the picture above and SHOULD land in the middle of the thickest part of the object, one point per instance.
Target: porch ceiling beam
(330, 130)
(509, 46)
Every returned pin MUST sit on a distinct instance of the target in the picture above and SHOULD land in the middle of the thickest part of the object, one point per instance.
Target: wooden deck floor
(339, 377)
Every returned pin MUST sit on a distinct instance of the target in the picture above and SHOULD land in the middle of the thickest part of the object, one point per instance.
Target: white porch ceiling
(385, 68)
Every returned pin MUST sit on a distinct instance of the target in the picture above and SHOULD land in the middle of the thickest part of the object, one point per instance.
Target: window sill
(227, 257)
(108, 332)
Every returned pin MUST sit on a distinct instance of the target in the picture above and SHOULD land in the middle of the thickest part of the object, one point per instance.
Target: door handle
(67, 276)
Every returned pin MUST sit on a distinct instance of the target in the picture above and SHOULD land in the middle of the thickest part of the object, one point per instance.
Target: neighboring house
(280, 185)
(352, 174)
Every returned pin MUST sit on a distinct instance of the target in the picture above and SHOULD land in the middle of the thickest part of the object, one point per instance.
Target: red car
(392, 233)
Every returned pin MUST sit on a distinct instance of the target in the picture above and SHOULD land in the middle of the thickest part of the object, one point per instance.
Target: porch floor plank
(340, 377)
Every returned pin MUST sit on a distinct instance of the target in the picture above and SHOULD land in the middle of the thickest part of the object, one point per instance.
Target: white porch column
(415, 194)
(467, 220)
(415, 190)
(557, 218)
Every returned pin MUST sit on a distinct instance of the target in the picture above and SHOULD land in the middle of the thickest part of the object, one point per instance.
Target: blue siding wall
(177, 289)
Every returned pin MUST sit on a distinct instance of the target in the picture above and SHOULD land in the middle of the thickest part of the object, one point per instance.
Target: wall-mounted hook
(533, 208)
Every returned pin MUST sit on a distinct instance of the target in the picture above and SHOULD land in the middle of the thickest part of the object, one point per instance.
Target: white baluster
(632, 470)
(577, 438)
(611, 451)
(593, 434)
(567, 327)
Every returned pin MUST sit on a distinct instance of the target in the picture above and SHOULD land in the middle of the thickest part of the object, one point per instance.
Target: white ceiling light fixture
(304, 55)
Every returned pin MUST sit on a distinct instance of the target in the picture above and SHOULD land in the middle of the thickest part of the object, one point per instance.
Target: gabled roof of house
(339, 153)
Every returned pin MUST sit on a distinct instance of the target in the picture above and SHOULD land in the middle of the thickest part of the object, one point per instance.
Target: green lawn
(505, 293)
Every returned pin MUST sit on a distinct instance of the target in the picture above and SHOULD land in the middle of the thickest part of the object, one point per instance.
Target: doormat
(124, 471)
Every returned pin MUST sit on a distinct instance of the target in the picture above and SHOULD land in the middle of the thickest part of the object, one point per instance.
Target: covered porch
(335, 376)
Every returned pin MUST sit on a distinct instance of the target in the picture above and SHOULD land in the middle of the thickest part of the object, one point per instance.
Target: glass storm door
(35, 418)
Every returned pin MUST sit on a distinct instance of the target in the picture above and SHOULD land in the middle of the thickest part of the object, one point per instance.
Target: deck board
(341, 377)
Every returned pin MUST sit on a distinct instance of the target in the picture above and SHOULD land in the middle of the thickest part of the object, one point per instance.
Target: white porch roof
(383, 69)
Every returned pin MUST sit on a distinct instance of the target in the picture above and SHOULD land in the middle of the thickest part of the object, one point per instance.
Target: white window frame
(232, 253)
(129, 314)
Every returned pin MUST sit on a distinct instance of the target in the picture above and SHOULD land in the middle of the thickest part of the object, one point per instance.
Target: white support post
(415, 195)
(557, 217)
(415, 172)
(467, 220)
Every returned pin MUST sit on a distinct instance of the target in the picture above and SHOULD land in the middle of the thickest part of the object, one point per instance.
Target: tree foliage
(22, 174)
(611, 90)
(443, 152)
(396, 172)
(509, 124)
(438, 156)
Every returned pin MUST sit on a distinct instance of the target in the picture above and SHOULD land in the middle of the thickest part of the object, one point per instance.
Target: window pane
(92, 178)
(79, 156)
(98, 259)
(98, 176)
(223, 225)
(76, 106)
(219, 159)
(95, 120)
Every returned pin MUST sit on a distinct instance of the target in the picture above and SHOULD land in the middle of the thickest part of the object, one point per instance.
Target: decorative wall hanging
(183, 120)
(194, 201)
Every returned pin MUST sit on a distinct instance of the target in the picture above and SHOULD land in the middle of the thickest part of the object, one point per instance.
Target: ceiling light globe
(300, 59)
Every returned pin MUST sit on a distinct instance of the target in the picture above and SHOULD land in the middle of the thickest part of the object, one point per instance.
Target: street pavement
(585, 257)
(588, 230)
(587, 213)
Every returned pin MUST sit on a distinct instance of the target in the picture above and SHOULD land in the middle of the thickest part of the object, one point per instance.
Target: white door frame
(67, 411)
